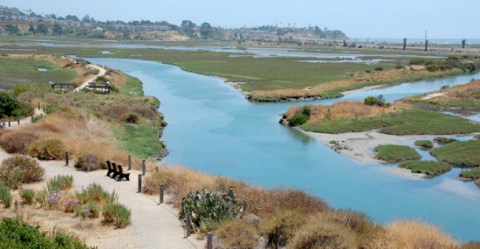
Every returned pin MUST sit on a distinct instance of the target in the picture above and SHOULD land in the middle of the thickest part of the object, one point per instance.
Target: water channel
(213, 128)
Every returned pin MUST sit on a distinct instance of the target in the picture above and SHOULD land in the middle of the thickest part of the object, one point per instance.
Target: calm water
(212, 128)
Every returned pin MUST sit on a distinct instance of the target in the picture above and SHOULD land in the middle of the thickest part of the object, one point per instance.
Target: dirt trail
(101, 72)
(24, 121)
(153, 225)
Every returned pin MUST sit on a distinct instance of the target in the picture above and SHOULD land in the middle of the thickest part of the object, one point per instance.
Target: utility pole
(426, 41)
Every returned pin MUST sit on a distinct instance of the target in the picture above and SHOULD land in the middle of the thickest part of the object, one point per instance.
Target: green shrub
(214, 206)
(371, 100)
(424, 144)
(10, 107)
(41, 196)
(20, 166)
(95, 193)
(444, 140)
(396, 153)
(298, 119)
(47, 150)
(16, 234)
(459, 154)
(238, 234)
(59, 183)
(117, 214)
(307, 110)
(472, 174)
(27, 195)
(430, 168)
(82, 164)
(378, 68)
(89, 210)
(280, 227)
(5, 196)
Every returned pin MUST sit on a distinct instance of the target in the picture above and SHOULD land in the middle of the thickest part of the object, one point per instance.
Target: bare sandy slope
(361, 146)
(153, 225)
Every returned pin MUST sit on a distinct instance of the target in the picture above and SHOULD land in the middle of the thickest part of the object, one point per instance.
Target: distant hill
(15, 22)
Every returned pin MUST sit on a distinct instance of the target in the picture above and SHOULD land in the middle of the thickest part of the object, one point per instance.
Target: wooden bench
(115, 170)
(123, 174)
(110, 168)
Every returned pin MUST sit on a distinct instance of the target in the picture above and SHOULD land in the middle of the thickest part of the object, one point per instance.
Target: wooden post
(38, 105)
(161, 193)
(88, 163)
(139, 183)
(144, 167)
(404, 43)
(426, 45)
(129, 162)
(210, 240)
(18, 120)
(9, 124)
(189, 225)
(66, 158)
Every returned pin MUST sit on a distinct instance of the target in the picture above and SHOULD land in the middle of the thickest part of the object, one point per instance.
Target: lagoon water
(213, 128)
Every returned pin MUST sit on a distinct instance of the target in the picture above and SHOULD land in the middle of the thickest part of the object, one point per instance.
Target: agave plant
(209, 206)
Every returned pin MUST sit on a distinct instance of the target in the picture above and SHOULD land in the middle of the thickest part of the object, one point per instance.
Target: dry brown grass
(178, 181)
(238, 234)
(319, 233)
(80, 132)
(14, 141)
(467, 91)
(414, 235)
(345, 110)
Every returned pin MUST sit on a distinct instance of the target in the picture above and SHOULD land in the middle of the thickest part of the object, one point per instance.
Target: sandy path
(153, 226)
(24, 121)
(101, 72)
(432, 95)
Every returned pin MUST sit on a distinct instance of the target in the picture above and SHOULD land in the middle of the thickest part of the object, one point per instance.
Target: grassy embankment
(279, 78)
(464, 99)
(89, 123)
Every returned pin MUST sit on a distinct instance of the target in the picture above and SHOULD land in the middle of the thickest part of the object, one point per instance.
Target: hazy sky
(357, 18)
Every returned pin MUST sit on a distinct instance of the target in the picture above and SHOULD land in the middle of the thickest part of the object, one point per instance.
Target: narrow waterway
(213, 128)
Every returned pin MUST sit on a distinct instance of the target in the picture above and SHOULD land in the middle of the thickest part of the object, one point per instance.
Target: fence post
(18, 120)
(144, 167)
(88, 163)
(66, 158)
(210, 240)
(139, 183)
(161, 194)
(189, 225)
(9, 124)
(31, 119)
(129, 162)
(38, 105)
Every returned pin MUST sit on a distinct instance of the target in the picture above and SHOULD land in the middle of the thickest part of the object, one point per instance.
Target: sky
(357, 18)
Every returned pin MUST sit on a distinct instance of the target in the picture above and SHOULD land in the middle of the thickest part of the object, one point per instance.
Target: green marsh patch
(430, 168)
(464, 154)
(396, 153)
